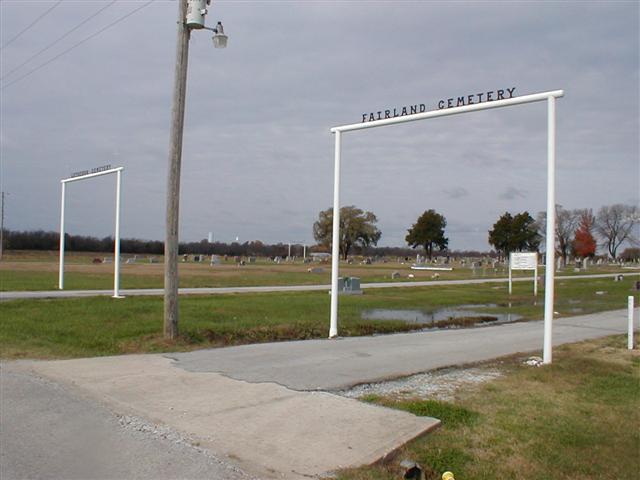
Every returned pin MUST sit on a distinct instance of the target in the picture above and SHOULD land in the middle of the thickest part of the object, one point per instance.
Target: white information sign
(524, 261)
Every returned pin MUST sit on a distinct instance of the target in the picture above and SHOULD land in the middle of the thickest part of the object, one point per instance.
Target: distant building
(320, 256)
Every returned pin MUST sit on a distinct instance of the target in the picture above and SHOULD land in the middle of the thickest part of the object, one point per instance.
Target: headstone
(252, 259)
(395, 275)
(215, 260)
(316, 270)
(349, 286)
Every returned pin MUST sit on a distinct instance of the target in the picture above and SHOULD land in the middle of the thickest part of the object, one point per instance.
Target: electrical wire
(76, 45)
(55, 42)
(31, 25)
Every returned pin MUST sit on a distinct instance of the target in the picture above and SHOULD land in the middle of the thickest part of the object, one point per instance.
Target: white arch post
(116, 260)
(550, 98)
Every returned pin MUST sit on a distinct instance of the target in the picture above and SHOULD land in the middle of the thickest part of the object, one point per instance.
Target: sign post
(524, 261)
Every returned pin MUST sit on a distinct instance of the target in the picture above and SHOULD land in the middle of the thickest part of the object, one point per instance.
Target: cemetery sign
(102, 168)
(490, 96)
(524, 261)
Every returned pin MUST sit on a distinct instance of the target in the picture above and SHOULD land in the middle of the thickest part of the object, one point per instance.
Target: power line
(58, 40)
(76, 45)
(31, 24)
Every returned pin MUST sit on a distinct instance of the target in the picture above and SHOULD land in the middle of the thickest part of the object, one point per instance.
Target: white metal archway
(550, 98)
(116, 256)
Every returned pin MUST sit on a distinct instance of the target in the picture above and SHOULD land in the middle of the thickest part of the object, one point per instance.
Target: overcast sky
(258, 153)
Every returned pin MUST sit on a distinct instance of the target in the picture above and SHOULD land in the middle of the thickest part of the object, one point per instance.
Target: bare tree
(566, 224)
(616, 224)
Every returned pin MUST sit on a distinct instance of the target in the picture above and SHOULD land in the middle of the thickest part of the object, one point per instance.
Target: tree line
(578, 232)
(49, 240)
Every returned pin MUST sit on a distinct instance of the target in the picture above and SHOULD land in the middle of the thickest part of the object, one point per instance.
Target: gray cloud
(457, 193)
(257, 141)
(512, 193)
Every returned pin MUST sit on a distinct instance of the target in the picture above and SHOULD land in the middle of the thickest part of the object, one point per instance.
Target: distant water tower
(210, 238)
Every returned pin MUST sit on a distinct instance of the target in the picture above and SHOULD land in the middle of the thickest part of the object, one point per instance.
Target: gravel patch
(440, 384)
(138, 425)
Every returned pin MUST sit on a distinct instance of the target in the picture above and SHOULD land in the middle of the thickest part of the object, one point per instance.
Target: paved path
(338, 364)
(282, 288)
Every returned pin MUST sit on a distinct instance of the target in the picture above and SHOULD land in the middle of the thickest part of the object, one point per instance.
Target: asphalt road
(50, 432)
(283, 288)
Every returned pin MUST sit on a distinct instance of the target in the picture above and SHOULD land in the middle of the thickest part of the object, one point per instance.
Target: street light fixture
(191, 16)
(219, 38)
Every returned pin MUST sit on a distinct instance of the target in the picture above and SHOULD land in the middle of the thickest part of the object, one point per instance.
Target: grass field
(577, 418)
(83, 327)
(23, 270)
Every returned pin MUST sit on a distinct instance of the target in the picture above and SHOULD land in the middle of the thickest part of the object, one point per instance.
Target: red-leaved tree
(584, 245)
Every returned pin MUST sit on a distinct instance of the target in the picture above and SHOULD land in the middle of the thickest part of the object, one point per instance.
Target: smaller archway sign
(83, 175)
(524, 261)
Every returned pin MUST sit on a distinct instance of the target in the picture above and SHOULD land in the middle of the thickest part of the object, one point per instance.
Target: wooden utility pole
(173, 178)
(2, 226)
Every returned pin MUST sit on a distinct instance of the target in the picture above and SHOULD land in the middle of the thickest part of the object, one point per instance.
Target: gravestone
(348, 286)
(395, 275)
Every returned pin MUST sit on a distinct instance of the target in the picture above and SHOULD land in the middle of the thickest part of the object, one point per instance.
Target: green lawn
(577, 418)
(29, 271)
(65, 328)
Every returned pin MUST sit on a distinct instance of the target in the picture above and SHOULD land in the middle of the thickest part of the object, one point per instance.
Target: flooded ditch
(461, 316)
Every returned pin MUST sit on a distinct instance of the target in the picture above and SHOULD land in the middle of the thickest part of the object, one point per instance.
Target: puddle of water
(420, 317)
